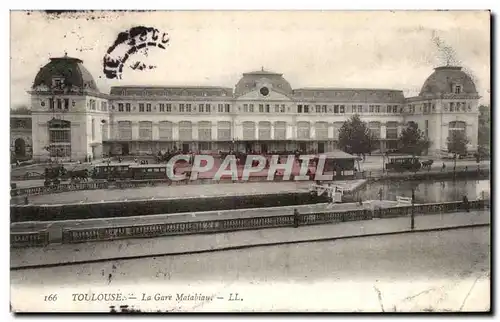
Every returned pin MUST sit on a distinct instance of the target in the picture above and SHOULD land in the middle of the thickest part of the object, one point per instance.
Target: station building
(72, 119)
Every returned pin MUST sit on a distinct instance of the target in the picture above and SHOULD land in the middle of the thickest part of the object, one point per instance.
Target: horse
(427, 164)
(78, 175)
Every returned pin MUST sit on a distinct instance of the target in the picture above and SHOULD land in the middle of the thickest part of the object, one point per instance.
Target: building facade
(72, 119)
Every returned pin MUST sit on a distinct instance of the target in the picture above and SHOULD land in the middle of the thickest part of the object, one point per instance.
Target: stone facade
(262, 113)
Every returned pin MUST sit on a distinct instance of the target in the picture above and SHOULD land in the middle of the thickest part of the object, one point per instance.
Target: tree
(457, 144)
(356, 138)
(412, 140)
(484, 132)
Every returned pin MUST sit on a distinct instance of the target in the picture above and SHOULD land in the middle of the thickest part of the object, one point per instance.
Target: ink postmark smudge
(129, 43)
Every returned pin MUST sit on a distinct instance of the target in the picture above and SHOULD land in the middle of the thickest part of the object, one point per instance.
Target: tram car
(403, 163)
(148, 171)
(120, 171)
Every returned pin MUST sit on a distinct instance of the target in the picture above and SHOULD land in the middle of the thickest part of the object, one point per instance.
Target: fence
(211, 226)
(29, 239)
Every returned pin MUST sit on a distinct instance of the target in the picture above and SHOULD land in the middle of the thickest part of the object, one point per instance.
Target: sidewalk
(53, 255)
(29, 226)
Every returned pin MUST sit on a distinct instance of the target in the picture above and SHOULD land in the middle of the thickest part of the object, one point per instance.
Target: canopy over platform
(337, 154)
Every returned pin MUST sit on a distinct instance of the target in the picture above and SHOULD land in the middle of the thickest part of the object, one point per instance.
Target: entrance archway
(20, 148)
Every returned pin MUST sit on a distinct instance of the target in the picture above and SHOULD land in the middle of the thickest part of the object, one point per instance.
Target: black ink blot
(136, 38)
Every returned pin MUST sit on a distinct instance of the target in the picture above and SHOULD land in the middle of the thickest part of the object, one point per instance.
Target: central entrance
(125, 149)
(321, 147)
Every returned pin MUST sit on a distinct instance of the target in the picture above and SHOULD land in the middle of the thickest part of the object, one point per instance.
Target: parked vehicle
(404, 163)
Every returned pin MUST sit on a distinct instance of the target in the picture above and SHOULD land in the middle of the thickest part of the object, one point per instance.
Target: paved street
(431, 271)
(180, 191)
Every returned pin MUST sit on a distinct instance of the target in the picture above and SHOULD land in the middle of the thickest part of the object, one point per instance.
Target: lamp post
(412, 216)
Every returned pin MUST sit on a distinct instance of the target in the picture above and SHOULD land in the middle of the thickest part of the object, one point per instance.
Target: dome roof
(71, 69)
(252, 80)
(444, 81)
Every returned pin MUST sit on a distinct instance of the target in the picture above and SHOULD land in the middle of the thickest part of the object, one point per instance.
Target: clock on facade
(264, 91)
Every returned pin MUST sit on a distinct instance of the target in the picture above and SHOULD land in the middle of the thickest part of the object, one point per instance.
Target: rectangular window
(181, 107)
(276, 108)
(162, 107)
(306, 108)
(335, 109)
(59, 104)
(342, 108)
(208, 108)
(250, 108)
(299, 108)
(201, 108)
(205, 146)
(66, 103)
(427, 128)
(323, 108)
(245, 108)
(458, 89)
(127, 107)
(261, 108)
(51, 103)
(282, 108)
(188, 108)
(318, 108)
(141, 107)
(148, 107)
(268, 108)
(220, 108)
(104, 106)
(169, 107)
(120, 107)
(372, 108)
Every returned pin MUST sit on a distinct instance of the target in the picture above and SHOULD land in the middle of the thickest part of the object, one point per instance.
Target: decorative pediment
(257, 95)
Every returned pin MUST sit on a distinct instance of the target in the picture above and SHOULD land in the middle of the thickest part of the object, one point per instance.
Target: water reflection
(426, 191)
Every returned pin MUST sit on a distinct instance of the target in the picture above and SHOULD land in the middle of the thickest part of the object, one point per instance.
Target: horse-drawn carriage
(407, 163)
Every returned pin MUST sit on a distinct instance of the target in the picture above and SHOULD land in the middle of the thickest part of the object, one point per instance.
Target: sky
(393, 50)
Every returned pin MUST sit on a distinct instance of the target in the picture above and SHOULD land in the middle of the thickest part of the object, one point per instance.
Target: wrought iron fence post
(412, 219)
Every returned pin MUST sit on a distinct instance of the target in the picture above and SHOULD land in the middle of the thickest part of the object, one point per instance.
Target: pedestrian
(443, 167)
(380, 193)
(296, 218)
(466, 203)
(26, 201)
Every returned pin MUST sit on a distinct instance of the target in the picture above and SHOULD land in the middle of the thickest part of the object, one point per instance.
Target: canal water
(426, 191)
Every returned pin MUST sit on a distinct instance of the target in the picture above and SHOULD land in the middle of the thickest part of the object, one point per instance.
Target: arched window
(125, 130)
(104, 131)
(146, 130)
(303, 130)
(374, 129)
(264, 130)
(456, 126)
(391, 130)
(185, 131)
(165, 130)
(204, 131)
(321, 130)
(93, 129)
(248, 130)
(280, 130)
(224, 130)
(59, 138)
